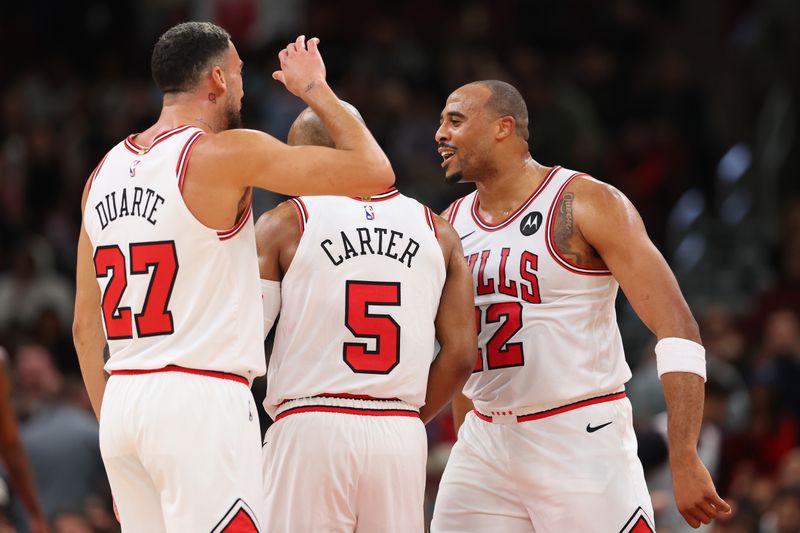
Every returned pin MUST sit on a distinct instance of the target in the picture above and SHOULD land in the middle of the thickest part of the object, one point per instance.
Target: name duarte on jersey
(372, 240)
(128, 202)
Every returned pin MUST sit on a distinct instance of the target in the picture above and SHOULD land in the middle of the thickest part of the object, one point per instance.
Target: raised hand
(302, 67)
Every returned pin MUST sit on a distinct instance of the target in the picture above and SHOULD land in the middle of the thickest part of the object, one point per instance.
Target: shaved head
(308, 129)
(505, 100)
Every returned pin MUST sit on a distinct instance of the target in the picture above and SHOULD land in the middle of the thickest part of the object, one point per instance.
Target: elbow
(466, 360)
(382, 176)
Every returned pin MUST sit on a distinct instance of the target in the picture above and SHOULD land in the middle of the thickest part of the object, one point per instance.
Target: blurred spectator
(31, 287)
(62, 440)
(13, 455)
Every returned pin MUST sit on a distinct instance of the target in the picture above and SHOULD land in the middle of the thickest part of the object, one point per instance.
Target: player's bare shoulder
(278, 233)
(587, 210)
(583, 204)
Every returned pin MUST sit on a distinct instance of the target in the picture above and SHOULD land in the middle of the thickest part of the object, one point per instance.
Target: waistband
(350, 404)
(176, 368)
(510, 417)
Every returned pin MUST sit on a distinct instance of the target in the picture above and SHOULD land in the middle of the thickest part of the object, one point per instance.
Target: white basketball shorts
(573, 468)
(343, 465)
(182, 451)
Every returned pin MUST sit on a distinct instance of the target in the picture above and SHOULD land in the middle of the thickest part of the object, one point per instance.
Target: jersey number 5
(155, 318)
(359, 295)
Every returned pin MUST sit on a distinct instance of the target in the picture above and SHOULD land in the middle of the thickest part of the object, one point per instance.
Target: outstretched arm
(87, 327)
(455, 327)
(612, 226)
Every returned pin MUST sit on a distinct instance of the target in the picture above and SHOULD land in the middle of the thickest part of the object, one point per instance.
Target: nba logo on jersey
(370, 212)
(132, 170)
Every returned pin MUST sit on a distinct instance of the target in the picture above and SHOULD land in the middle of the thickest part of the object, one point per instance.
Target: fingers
(719, 504)
(300, 43)
(278, 75)
(313, 44)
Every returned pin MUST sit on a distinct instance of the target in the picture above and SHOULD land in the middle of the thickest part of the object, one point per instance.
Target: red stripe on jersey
(571, 266)
(482, 224)
(299, 214)
(176, 368)
(362, 411)
(356, 397)
(131, 145)
(432, 221)
(183, 160)
(454, 209)
(229, 234)
(389, 193)
(94, 173)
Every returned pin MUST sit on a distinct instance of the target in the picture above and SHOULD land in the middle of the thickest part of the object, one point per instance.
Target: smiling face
(465, 135)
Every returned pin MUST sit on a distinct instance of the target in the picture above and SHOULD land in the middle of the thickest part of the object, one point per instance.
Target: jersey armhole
(302, 212)
(94, 173)
(431, 221)
(183, 160)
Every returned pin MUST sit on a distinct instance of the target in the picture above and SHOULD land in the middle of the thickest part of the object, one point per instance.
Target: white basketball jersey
(358, 301)
(174, 292)
(547, 330)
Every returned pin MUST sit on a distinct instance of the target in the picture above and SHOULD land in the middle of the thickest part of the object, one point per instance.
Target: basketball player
(549, 445)
(167, 280)
(368, 285)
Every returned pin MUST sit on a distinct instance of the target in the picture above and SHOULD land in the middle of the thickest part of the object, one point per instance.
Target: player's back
(174, 291)
(358, 301)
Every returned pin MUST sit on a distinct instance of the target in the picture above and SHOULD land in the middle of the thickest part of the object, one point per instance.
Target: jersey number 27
(154, 318)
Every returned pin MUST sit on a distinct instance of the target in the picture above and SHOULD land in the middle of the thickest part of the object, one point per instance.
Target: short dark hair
(507, 101)
(183, 52)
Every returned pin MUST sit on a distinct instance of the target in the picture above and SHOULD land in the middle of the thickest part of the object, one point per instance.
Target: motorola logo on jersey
(530, 223)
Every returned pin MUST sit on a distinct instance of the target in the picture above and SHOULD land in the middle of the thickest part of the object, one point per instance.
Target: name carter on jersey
(143, 203)
(376, 241)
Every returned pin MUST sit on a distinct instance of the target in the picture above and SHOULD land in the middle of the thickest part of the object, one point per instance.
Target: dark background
(690, 108)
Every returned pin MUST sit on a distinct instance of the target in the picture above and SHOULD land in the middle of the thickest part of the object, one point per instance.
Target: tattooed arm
(597, 225)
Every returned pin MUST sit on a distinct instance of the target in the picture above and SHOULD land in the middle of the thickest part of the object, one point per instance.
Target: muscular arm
(613, 228)
(13, 454)
(455, 328)
(87, 328)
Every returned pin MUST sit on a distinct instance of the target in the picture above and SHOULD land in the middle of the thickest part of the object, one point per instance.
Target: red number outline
(117, 317)
(509, 354)
(383, 359)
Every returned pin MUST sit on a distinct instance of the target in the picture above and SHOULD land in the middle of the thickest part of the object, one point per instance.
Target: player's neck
(178, 111)
(504, 192)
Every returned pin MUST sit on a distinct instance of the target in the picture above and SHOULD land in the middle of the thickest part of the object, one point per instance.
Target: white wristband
(271, 302)
(674, 354)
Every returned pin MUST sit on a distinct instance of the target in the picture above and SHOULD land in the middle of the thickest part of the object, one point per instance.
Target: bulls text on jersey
(498, 282)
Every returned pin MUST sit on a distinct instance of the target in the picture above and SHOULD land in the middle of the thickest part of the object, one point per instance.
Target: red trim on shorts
(585, 270)
(482, 224)
(362, 411)
(558, 410)
(183, 160)
(229, 234)
(343, 396)
(176, 368)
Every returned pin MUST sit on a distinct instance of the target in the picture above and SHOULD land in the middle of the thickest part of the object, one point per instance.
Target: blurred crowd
(647, 95)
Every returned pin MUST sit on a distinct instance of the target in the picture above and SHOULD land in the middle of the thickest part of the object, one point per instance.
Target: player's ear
(505, 127)
(218, 79)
